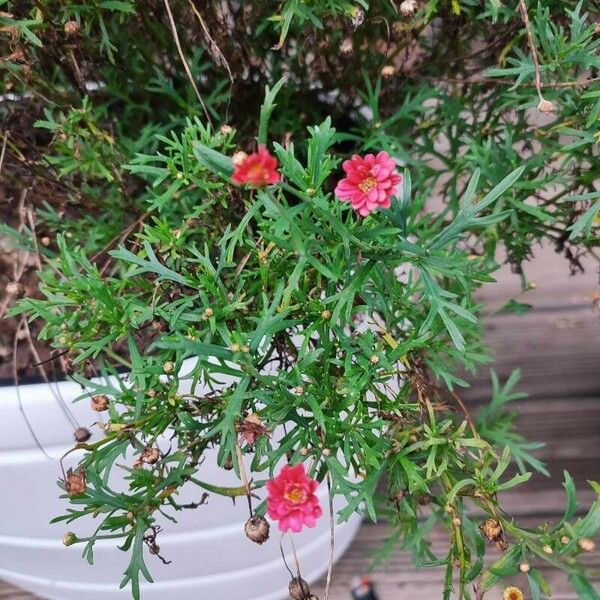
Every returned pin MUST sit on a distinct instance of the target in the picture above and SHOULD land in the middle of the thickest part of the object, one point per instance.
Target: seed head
(150, 455)
(82, 435)
(299, 589)
(492, 530)
(257, 529)
(75, 483)
(99, 403)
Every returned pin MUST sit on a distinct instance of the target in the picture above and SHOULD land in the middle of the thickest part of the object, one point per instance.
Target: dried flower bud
(586, 545)
(72, 28)
(151, 393)
(226, 130)
(408, 8)
(99, 403)
(257, 529)
(69, 538)
(150, 455)
(565, 539)
(547, 549)
(387, 71)
(168, 367)
(456, 522)
(512, 593)
(326, 314)
(228, 464)
(235, 347)
(303, 451)
(154, 549)
(239, 157)
(492, 530)
(374, 359)
(501, 545)
(326, 452)
(545, 106)
(75, 483)
(346, 46)
(524, 567)
(299, 589)
(207, 314)
(82, 435)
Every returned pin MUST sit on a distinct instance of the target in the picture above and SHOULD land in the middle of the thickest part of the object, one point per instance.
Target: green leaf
(214, 161)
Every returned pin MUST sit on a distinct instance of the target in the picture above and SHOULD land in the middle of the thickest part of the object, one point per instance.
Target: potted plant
(267, 305)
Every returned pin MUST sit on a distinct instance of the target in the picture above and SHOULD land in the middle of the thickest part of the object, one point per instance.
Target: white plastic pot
(211, 557)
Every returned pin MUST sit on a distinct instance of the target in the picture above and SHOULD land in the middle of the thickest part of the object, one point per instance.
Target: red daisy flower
(257, 169)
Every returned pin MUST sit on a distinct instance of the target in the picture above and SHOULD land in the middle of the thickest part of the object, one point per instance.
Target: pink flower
(370, 182)
(292, 500)
(257, 169)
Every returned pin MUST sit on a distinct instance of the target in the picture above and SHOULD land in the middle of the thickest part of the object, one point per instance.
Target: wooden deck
(557, 347)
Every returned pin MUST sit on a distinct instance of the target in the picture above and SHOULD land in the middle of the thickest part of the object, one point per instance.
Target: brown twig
(184, 61)
(532, 47)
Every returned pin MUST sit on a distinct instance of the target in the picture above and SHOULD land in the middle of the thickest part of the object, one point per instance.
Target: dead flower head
(75, 483)
(251, 428)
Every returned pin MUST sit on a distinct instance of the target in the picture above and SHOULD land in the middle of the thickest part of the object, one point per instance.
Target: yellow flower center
(367, 185)
(295, 495)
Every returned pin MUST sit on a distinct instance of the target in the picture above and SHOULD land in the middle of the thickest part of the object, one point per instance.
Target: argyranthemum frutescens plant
(343, 315)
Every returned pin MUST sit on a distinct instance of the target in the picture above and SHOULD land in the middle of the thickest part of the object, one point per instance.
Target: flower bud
(346, 46)
(257, 529)
(524, 567)
(586, 545)
(374, 359)
(69, 538)
(326, 314)
(547, 549)
(408, 8)
(207, 314)
(545, 106)
(239, 157)
(226, 129)
(168, 367)
(72, 28)
(387, 71)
